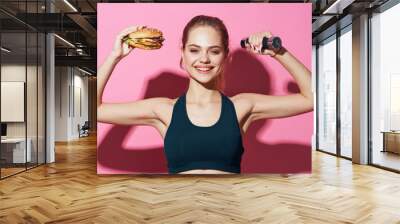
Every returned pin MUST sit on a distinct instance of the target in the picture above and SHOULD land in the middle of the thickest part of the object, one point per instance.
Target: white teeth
(204, 69)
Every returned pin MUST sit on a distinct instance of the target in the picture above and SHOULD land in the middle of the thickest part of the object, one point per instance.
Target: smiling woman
(203, 128)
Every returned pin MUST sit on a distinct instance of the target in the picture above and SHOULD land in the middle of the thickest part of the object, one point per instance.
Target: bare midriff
(205, 172)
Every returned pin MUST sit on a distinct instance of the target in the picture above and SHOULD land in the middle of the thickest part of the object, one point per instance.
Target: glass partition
(327, 95)
(22, 88)
(13, 108)
(346, 92)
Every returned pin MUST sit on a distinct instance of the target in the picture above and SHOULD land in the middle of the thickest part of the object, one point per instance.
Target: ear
(181, 60)
(182, 55)
(182, 50)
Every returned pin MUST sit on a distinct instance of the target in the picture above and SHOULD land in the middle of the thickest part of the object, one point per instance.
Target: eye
(215, 52)
(193, 50)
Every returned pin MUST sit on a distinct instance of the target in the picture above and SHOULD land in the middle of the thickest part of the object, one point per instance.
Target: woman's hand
(122, 49)
(255, 44)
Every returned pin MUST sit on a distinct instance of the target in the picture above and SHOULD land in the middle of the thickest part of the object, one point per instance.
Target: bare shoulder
(163, 102)
(243, 107)
(242, 101)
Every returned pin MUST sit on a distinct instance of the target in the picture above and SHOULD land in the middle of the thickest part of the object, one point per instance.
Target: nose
(204, 58)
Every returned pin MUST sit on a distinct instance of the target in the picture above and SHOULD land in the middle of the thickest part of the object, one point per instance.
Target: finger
(252, 40)
(255, 49)
(140, 27)
(127, 48)
(126, 32)
(125, 45)
(130, 30)
(252, 49)
(268, 52)
(248, 46)
(268, 34)
(258, 40)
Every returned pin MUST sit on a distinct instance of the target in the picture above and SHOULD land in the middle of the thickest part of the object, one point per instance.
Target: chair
(84, 130)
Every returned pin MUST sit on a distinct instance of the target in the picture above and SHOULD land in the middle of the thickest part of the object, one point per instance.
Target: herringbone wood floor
(70, 191)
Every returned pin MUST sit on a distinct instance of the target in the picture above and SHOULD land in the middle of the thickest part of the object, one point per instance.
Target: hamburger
(145, 38)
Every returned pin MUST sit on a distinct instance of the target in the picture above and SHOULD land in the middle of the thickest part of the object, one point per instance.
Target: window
(385, 89)
(346, 92)
(327, 95)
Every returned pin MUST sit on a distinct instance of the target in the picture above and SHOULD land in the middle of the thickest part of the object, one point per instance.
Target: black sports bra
(217, 147)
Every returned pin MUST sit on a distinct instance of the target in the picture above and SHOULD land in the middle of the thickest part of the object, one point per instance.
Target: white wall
(61, 103)
(80, 83)
(70, 83)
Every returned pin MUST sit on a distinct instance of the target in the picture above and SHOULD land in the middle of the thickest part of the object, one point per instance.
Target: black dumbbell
(272, 43)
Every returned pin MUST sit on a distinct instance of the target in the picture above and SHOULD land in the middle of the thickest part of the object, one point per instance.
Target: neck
(198, 93)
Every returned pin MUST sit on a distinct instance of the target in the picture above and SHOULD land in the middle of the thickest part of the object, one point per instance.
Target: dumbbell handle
(272, 43)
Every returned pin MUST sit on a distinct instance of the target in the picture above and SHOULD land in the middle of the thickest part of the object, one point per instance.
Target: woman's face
(203, 55)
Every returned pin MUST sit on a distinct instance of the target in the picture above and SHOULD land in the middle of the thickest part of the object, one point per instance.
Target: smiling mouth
(204, 69)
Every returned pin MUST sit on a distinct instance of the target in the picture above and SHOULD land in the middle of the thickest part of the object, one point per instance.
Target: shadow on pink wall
(244, 74)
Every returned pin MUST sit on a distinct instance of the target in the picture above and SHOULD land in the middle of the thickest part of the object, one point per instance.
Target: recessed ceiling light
(86, 72)
(64, 40)
(70, 5)
(5, 50)
(337, 7)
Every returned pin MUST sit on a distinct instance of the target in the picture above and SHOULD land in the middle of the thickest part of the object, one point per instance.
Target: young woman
(203, 128)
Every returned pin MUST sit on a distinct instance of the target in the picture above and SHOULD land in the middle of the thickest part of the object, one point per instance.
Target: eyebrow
(194, 45)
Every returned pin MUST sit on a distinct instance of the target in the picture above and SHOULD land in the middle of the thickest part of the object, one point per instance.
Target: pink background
(271, 146)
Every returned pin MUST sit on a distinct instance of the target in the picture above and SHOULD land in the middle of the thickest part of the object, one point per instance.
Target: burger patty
(147, 43)
(144, 44)
(151, 38)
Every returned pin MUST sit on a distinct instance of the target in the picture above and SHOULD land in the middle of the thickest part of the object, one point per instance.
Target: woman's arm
(142, 112)
(266, 106)
(103, 75)
(299, 72)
